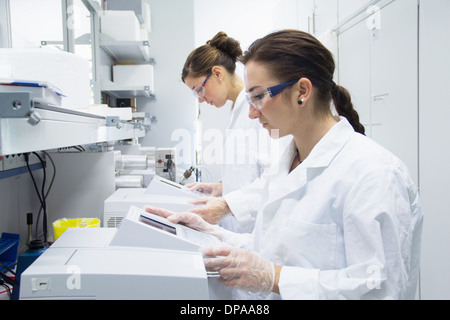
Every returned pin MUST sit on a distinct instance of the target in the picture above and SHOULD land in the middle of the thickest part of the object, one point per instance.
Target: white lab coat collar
(320, 157)
(328, 147)
(238, 105)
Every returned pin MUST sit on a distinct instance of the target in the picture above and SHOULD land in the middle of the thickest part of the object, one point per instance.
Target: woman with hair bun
(210, 72)
(341, 219)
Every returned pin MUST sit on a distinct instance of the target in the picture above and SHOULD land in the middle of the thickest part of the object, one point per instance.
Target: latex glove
(214, 189)
(241, 269)
(214, 209)
(191, 220)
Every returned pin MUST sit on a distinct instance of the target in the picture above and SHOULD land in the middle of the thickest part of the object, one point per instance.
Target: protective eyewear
(199, 91)
(256, 98)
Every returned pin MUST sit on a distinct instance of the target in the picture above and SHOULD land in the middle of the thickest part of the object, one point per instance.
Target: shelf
(57, 129)
(136, 51)
(122, 92)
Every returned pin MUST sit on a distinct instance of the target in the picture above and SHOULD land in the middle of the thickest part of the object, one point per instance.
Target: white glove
(214, 189)
(191, 220)
(214, 209)
(241, 269)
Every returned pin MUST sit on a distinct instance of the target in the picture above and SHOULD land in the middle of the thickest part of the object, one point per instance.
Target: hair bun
(228, 45)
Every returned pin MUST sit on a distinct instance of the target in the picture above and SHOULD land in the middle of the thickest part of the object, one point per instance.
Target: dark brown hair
(291, 55)
(219, 51)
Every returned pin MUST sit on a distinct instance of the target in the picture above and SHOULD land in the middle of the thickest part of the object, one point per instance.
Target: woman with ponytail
(341, 219)
(210, 72)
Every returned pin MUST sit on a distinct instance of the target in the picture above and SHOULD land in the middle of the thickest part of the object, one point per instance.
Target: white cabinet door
(394, 82)
(317, 16)
(326, 15)
(354, 69)
(348, 7)
(380, 69)
(305, 15)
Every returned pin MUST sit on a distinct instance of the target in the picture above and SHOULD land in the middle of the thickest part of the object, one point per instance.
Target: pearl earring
(301, 101)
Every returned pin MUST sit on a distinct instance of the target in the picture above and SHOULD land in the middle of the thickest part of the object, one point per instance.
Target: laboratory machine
(159, 233)
(94, 263)
(113, 273)
(161, 193)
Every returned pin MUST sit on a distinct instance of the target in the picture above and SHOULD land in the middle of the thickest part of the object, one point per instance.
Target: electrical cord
(42, 197)
(44, 202)
(8, 280)
(48, 190)
(8, 288)
(26, 155)
(7, 268)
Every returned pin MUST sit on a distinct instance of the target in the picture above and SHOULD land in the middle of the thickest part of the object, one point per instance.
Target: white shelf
(57, 130)
(136, 51)
(122, 91)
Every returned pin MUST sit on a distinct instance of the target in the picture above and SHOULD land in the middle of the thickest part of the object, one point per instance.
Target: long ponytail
(344, 107)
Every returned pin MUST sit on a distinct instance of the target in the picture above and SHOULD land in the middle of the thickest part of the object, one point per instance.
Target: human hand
(214, 209)
(159, 211)
(214, 189)
(241, 269)
(194, 221)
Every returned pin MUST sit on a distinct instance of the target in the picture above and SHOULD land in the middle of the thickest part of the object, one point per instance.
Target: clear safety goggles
(257, 98)
(199, 91)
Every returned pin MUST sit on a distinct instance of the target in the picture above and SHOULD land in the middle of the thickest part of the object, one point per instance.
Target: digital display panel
(157, 224)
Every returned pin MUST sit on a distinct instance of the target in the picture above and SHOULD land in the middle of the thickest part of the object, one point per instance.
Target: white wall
(434, 139)
(171, 40)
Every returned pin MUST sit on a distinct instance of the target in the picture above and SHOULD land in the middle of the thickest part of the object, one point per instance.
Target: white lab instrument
(85, 238)
(117, 205)
(144, 229)
(115, 273)
(129, 181)
(42, 92)
(80, 239)
(162, 186)
(66, 71)
(165, 163)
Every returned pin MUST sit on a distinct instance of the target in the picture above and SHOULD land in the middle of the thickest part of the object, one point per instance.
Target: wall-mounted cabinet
(385, 88)
(317, 16)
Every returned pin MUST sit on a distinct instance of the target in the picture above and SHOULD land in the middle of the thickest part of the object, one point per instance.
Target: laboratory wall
(175, 109)
(434, 138)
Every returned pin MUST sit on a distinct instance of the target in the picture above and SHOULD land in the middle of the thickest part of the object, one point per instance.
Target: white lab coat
(345, 224)
(248, 154)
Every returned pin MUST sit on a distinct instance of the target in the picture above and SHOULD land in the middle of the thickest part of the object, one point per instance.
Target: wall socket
(14, 161)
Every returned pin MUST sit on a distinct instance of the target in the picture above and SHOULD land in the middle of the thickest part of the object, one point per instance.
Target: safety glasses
(257, 98)
(199, 91)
